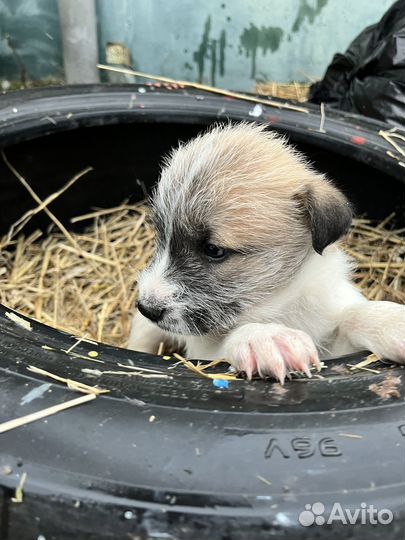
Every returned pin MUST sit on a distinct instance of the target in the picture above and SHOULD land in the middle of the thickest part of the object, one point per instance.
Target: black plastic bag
(369, 78)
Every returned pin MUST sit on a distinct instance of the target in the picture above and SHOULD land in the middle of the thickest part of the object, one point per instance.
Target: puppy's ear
(327, 212)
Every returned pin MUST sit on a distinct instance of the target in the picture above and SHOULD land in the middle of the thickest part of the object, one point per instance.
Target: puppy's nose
(152, 313)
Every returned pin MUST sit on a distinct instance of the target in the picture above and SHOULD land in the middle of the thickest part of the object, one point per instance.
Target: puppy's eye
(215, 253)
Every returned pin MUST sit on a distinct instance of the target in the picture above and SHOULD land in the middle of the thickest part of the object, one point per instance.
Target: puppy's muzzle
(155, 314)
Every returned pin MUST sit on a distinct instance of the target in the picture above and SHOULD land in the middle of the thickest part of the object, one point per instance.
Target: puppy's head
(236, 213)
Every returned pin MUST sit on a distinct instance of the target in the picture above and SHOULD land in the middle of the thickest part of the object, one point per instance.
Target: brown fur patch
(248, 185)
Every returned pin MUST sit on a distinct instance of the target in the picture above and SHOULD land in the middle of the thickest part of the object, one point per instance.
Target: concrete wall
(229, 43)
(30, 44)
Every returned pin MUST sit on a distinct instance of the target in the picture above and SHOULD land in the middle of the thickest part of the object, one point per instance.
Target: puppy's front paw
(378, 327)
(270, 350)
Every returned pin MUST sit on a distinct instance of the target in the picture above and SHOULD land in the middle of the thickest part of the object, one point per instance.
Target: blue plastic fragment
(220, 383)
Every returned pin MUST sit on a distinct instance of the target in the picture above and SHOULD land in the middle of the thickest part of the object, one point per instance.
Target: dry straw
(85, 283)
(173, 84)
(83, 288)
(379, 253)
(295, 91)
(44, 413)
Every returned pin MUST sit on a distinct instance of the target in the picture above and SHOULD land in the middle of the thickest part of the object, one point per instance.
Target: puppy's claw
(271, 350)
(282, 381)
(249, 372)
(279, 372)
(307, 372)
(249, 365)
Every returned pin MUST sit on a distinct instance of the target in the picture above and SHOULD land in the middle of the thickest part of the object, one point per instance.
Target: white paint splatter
(129, 515)
(35, 393)
(256, 111)
(283, 519)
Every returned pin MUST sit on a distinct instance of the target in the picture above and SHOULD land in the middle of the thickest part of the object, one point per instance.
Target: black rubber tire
(236, 463)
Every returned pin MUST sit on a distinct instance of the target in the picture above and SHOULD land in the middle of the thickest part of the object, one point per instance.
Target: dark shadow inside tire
(234, 463)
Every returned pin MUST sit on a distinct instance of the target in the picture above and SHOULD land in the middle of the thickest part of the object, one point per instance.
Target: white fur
(332, 311)
(145, 336)
(153, 284)
(311, 302)
(296, 303)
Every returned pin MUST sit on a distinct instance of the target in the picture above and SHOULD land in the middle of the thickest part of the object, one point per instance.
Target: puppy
(247, 267)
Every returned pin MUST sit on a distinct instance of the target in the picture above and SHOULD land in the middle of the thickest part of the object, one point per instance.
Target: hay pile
(379, 253)
(296, 91)
(85, 283)
(86, 287)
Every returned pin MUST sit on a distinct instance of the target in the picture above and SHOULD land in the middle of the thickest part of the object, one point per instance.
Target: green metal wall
(30, 44)
(229, 43)
(232, 43)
